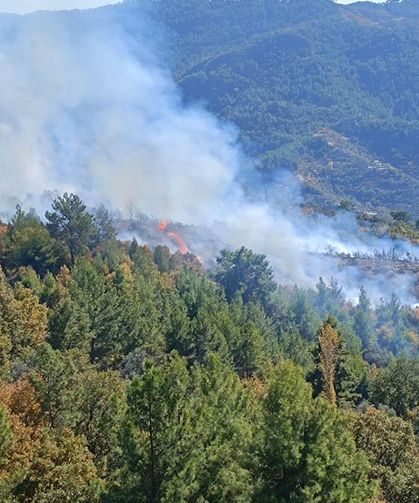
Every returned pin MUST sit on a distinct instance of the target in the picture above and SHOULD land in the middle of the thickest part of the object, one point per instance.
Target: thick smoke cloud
(87, 108)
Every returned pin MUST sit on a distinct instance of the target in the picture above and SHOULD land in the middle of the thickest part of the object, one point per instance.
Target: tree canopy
(128, 375)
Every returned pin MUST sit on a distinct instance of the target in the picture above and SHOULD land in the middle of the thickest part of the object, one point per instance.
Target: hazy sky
(25, 6)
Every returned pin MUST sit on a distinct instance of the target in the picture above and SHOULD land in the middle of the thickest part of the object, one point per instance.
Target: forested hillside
(328, 91)
(132, 374)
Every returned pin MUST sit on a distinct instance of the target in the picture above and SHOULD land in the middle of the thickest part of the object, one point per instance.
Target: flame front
(174, 236)
(163, 225)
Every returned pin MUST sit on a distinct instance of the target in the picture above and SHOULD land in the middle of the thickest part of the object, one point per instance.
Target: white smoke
(87, 108)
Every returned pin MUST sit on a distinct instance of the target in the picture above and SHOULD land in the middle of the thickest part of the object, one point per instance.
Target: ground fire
(174, 236)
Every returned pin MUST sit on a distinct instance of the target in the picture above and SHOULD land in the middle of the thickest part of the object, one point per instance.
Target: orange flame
(183, 248)
(174, 236)
(163, 225)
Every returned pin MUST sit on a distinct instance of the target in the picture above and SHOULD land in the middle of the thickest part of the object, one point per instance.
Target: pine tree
(397, 386)
(70, 223)
(247, 273)
(187, 436)
(363, 320)
(105, 230)
(29, 244)
(161, 255)
(308, 453)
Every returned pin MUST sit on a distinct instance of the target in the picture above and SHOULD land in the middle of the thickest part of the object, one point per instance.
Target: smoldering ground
(87, 106)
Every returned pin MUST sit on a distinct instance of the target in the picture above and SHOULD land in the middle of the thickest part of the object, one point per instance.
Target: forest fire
(174, 236)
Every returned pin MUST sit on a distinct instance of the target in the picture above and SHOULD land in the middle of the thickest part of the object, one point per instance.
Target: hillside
(284, 72)
(131, 374)
(165, 337)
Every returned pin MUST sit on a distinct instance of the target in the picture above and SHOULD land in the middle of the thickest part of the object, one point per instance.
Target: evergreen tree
(161, 256)
(28, 243)
(70, 223)
(329, 298)
(247, 273)
(100, 406)
(186, 436)
(54, 381)
(133, 248)
(350, 376)
(249, 354)
(308, 453)
(105, 230)
(397, 386)
(363, 319)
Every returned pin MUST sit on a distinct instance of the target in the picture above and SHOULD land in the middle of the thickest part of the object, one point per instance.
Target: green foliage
(308, 452)
(401, 216)
(5, 436)
(105, 230)
(186, 435)
(363, 319)
(348, 100)
(389, 444)
(70, 223)
(28, 243)
(54, 381)
(100, 405)
(397, 386)
(161, 255)
(246, 273)
(138, 377)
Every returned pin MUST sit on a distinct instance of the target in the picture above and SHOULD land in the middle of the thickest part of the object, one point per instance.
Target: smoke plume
(87, 107)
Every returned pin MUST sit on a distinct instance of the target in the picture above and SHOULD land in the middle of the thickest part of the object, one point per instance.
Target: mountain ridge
(282, 71)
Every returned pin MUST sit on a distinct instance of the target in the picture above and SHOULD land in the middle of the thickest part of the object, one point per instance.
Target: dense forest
(328, 91)
(132, 374)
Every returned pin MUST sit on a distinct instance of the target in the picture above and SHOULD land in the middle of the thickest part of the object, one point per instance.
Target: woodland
(131, 374)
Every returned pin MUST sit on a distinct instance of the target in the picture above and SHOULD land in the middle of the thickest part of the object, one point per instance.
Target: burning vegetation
(164, 226)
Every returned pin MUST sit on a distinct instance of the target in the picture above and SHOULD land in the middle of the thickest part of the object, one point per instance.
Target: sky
(26, 6)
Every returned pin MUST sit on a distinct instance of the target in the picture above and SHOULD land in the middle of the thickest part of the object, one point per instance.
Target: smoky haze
(88, 108)
(80, 112)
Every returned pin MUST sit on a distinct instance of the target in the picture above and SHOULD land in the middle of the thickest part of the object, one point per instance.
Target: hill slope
(284, 72)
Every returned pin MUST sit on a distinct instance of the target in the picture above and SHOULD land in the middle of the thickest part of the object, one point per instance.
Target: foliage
(308, 452)
(71, 223)
(246, 273)
(389, 444)
(134, 375)
(397, 386)
(345, 117)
